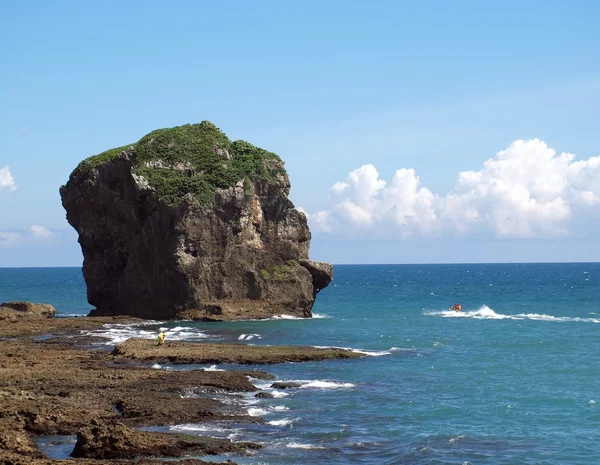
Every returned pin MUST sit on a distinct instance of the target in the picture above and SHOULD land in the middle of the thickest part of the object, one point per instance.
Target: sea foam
(370, 353)
(283, 422)
(117, 333)
(256, 412)
(298, 445)
(320, 384)
(212, 368)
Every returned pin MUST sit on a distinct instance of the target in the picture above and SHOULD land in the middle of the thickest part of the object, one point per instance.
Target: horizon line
(368, 264)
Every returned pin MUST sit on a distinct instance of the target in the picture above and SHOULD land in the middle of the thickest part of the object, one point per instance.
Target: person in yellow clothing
(161, 338)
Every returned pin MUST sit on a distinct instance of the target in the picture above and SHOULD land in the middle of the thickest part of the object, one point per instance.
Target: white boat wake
(486, 313)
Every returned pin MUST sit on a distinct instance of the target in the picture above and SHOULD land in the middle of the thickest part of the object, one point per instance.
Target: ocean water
(514, 379)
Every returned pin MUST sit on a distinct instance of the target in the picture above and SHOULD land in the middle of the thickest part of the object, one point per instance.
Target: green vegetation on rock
(279, 272)
(265, 274)
(195, 158)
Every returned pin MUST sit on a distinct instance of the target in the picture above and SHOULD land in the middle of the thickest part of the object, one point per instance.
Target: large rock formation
(185, 223)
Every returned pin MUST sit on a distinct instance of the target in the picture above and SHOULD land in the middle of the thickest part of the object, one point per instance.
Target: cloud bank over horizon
(525, 191)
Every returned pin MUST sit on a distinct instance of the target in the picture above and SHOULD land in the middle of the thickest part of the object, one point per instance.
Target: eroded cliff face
(241, 254)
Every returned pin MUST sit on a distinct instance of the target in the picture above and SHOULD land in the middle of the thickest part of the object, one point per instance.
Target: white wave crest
(486, 313)
(320, 384)
(212, 368)
(326, 385)
(249, 399)
(256, 412)
(315, 316)
(455, 439)
(279, 408)
(260, 383)
(201, 427)
(298, 445)
(249, 337)
(283, 422)
(370, 353)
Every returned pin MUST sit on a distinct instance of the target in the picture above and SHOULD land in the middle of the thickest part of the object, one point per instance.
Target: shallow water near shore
(511, 379)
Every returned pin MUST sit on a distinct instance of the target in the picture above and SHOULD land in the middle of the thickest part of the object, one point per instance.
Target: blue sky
(333, 87)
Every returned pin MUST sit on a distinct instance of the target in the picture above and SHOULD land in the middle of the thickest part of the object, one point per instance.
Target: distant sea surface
(513, 379)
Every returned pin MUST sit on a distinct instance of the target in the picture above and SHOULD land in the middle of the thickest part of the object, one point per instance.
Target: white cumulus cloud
(40, 231)
(527, 190)
(6, 179)
(339, 187)
(323, 220)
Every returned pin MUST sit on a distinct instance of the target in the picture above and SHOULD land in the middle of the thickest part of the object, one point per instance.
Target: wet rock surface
(116, 441)
(190, 352)
(8, 458)
(59, 386)
(56, 386)
(285, 385)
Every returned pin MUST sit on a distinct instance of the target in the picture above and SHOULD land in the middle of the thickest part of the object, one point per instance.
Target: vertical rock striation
(186, 224)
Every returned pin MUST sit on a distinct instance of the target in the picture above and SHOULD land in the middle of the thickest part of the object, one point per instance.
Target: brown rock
(56, 387)
(26, 310)
(191, 352)
(285, 385)
(14, 439)
(116, 441)
(8, 458)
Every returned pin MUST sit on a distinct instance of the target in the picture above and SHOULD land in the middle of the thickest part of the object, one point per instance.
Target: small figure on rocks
(161, 338)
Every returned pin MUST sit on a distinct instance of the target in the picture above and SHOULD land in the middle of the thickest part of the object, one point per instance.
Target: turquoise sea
(514, 379)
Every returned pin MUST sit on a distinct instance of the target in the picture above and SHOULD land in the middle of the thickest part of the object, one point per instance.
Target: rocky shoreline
(54, 383)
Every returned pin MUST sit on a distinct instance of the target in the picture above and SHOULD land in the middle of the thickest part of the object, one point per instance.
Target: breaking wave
(319, 384)
(291, 317)
(257, 412)
(370, 353)
(212, 368)
(207, 429)
(283, 422)
(298, 445)
(279, 408)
